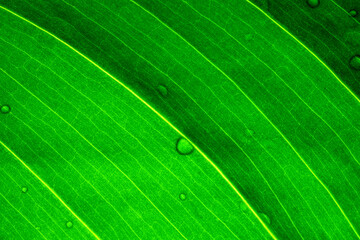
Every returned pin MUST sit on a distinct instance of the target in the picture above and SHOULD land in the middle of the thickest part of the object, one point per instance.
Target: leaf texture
(101, 92)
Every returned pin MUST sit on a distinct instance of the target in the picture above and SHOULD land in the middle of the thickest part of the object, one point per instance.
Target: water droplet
(265, 218)
(313, 3)
(355, 62)
(182, 196)
(162, 90)
(353, 13)
(184, 147)
(5, 109)
(69, 224)
(24, 189)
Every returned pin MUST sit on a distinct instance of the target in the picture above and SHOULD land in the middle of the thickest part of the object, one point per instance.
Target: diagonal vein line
(156, 112)
(311, 52)
(85, 179)
(147, 150)
(101, 153)
(283, 81)
(341, 8)
(38, 204)
(12, 225)
(8, 202)
(50, 189)
(257, 108)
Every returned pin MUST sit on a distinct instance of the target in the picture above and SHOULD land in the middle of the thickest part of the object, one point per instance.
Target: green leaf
(331, 30)
(146, 119)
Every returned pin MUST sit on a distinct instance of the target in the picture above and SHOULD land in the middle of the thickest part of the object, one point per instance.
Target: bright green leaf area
(149, 119)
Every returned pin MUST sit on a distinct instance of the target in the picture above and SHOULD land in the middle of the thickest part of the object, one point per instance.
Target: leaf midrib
(112, 139)
(130, 89)
(63, 42)
(282, 135)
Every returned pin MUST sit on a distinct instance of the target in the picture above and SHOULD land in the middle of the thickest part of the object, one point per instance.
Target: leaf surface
(101, 93)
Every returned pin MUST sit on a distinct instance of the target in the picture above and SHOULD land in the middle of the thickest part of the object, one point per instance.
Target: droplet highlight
(184, 147)
(69, 224)
(355, 62)
(182, 196)
(353, 13)
(4, 109)
(162, 90)
(313, 3)
(24, 189)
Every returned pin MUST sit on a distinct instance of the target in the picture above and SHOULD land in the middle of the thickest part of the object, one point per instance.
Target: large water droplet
(5, 109)
(265, 218)
(353, 13)
(182, 196)
(184, 147)
(69, 224)
(355, 62)
(162, 90)
(24, 189)
(313, 3)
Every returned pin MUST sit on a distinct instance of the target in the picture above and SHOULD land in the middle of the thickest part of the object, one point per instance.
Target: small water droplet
(24, 189)
(182, 196)
(313, 3)
(184, 147)
(162, 90)
(355, 62)
(69, 224)
(5, 109)
(353, 13)
(265, 218)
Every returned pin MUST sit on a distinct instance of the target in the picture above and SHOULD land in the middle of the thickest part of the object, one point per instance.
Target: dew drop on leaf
(5, 109)
(162, 90)
(353, 13)
(313, 3)
(182, 196)
(24, 189)
(69, 224)
(355, 62)
(184, 147)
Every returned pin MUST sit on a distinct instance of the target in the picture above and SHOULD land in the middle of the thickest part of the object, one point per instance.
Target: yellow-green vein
(50, 189)
(281, 134)
(156, 112)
